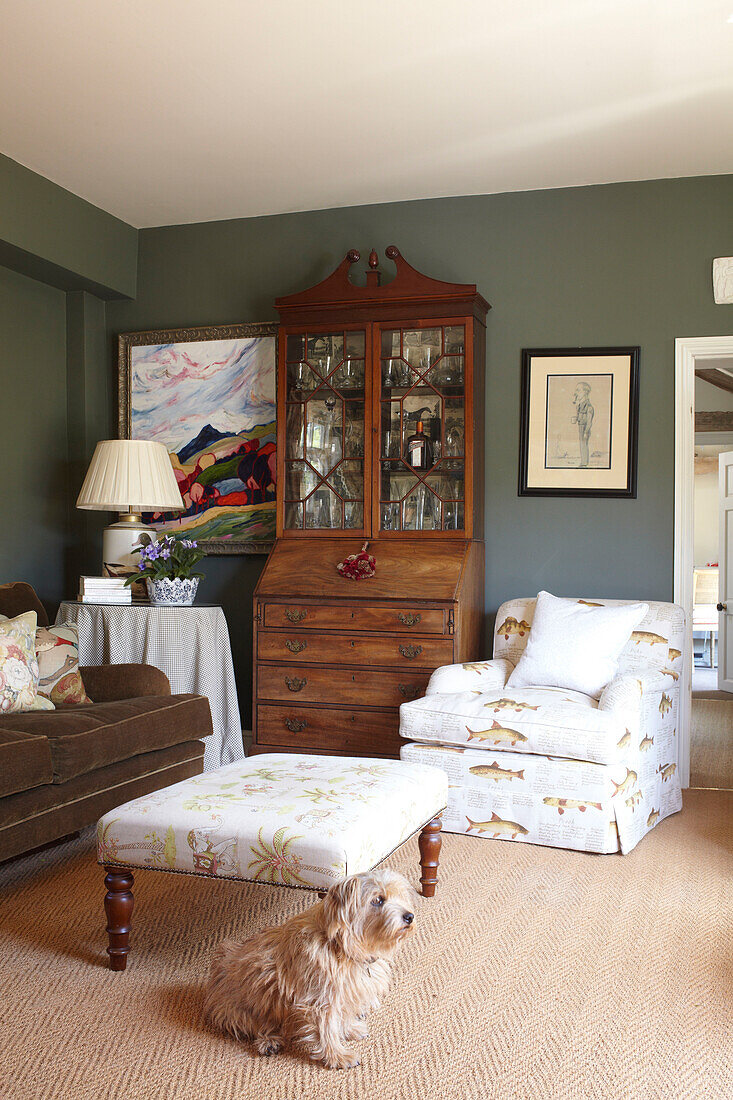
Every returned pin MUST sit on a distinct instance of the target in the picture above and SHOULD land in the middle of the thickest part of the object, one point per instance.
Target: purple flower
(165, 552)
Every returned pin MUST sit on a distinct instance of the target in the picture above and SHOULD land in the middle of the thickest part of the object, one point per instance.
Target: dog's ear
(341, 907)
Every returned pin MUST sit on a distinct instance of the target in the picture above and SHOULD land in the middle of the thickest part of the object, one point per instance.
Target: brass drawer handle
(294, 725)
(294, 615)
(408, 619)
(410, 651)
(294, 684)
(408, 692)
(295, 647)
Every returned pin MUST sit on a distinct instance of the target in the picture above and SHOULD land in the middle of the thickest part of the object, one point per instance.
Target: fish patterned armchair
(551, 766)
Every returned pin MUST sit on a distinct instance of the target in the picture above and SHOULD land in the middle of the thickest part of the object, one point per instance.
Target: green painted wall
(58, 238)
(35, 537)
(60, 258)
(619, 264)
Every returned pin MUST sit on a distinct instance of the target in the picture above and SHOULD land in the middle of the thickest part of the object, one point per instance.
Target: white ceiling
(167, 111)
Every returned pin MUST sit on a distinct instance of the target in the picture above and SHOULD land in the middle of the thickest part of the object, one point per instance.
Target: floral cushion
(279, 818)
(19, 666)
(59, 679)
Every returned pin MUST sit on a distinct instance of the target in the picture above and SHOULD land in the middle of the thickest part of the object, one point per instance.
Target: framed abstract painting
(579, 422)
(208, 394)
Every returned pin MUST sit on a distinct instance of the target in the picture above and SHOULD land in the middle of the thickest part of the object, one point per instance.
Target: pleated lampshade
(133, 474)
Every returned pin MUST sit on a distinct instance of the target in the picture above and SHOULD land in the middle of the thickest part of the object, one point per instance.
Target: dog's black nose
(408, 918)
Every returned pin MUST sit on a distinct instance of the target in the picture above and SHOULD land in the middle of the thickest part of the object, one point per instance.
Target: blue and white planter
(172, 592)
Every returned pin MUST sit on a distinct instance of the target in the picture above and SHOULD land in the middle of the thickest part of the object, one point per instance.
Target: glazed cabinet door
(323, 438)
(424, 429)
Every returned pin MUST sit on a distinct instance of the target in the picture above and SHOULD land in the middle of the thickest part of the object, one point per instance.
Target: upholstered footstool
(280, 818)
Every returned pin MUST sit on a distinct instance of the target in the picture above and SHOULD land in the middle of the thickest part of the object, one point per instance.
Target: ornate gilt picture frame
(208, 394)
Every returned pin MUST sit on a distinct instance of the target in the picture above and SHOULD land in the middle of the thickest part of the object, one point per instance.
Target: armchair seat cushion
(84, 738)
(548, 721)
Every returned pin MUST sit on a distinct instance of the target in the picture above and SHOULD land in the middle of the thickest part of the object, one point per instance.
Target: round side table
(189, 644)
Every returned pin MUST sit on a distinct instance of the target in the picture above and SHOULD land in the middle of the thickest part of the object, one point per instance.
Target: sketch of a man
(584, 413)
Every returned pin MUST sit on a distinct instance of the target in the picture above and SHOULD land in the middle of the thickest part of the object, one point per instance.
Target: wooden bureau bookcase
(370, 377)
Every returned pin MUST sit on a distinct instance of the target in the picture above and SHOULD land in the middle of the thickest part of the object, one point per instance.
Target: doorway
(703, 430)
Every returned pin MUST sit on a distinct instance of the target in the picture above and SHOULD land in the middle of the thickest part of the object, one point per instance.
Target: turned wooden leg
(118, 903)
(430, 841)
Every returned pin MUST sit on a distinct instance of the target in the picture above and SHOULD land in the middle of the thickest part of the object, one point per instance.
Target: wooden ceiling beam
(716, 377)
(714, 421)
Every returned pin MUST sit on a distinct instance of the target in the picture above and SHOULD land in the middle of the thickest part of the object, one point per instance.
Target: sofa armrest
(472, 676)
(109, 683)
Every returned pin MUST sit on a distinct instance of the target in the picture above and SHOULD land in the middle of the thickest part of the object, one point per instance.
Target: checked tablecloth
(189, 644)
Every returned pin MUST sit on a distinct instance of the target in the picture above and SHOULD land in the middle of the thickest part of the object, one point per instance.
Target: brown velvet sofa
(61, 770)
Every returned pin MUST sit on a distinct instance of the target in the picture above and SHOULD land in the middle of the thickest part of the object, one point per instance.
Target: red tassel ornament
(357, 567)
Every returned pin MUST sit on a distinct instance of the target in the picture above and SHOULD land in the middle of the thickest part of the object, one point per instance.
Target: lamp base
(118, 542)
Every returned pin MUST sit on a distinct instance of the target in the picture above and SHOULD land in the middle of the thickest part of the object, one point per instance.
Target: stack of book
(104, 590)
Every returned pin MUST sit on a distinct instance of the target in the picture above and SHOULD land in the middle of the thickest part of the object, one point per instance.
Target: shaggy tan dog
(311, 982)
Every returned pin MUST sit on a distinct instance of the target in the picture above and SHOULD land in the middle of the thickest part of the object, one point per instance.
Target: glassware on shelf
(453, 438)
(450, 372)
(391, 517)
(391, 443)
(389, 374)
(390, 343)
(293, 515)
(319, 509)
(450, 506)
(421, 510)
(421, 426)
(353, 514)
(453, 515)
(350, 375)
(454, 340)
(303, 377)
(354, 434)
(411, 347)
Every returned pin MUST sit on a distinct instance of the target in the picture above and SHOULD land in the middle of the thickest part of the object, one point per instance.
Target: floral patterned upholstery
(280, 818)
(551, 766)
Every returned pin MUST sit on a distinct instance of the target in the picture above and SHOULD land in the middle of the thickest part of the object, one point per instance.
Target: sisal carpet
(535, 973)
(711, 744)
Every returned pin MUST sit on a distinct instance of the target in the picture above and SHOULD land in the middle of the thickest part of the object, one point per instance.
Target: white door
(725, 560)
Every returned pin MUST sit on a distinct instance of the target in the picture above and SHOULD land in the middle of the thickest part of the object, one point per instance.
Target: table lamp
(128, 476)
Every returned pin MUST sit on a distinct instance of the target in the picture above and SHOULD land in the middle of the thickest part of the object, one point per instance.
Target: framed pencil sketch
(579, 422)
(208, 394)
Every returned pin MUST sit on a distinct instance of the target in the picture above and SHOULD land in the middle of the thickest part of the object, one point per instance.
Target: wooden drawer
(413, 620)
(303, 647)
(299, 683)
(329, 729)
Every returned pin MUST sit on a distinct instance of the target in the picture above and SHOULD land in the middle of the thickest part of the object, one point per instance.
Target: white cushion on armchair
(534, 720)
(574, 645)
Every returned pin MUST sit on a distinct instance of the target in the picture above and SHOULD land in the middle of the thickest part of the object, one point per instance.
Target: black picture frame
(529, 355)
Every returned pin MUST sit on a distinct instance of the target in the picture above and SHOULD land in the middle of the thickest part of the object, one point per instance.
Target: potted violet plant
(166, 565)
